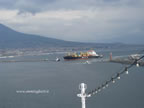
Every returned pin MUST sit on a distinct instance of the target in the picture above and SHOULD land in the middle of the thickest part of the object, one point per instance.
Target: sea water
(59, 82)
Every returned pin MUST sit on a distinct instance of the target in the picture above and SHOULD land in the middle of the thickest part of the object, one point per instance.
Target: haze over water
(62, 78)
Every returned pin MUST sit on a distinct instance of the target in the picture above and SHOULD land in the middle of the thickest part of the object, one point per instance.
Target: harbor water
(61, 81)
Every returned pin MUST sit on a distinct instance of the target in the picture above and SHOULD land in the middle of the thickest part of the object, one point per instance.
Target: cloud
(75, 20)
(32, 6)
(35, 6)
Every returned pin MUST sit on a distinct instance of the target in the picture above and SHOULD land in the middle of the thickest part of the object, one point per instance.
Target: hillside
(10, 38)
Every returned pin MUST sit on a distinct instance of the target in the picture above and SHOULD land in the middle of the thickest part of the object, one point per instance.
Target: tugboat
(82, 55)
(57, 59)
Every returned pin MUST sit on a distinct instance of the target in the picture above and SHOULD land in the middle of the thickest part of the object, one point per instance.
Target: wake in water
(6, 57)
(87, 62)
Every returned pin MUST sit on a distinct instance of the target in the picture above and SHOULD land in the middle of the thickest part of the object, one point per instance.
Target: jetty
(124, 60)
(15, 61)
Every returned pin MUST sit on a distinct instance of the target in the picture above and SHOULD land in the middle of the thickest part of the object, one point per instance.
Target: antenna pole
(83, 95)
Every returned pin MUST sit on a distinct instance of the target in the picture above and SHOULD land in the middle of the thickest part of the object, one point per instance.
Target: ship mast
(83, 95)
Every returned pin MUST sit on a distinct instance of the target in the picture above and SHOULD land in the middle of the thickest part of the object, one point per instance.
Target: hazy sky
(75, 20)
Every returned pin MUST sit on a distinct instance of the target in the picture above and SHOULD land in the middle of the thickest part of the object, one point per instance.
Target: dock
(15, 61)
(124, 60)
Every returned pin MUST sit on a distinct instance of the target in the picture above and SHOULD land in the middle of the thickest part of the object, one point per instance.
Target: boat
(82, 55)
(134, 56)
(57, 59)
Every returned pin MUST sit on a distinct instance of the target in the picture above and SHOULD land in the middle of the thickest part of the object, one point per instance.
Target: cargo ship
(82, 55)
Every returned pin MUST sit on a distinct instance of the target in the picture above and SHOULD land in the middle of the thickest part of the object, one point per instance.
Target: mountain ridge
(10, 38)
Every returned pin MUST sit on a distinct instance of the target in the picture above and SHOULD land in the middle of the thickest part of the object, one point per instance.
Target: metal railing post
(83, 95)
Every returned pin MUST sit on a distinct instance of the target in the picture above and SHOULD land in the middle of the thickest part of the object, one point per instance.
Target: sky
(76, 20)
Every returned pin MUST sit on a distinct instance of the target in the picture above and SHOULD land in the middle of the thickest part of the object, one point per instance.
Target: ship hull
(71, 58)
(84, 57)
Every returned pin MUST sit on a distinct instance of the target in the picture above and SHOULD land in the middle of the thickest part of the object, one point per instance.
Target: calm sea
(61, 80)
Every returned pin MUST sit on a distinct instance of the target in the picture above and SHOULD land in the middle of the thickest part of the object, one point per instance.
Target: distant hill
(130, 39)
(10, 38)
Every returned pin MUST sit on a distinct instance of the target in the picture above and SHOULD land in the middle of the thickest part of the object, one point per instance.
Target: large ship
(82, 55)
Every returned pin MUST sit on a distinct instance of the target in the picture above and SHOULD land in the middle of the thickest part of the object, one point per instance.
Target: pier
(126, 61)
(15, 61)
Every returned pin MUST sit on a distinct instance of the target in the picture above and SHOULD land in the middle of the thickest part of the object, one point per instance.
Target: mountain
(10, 38)
(130, 39)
